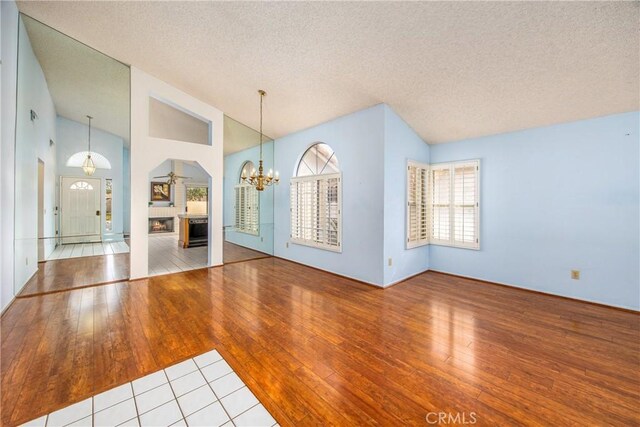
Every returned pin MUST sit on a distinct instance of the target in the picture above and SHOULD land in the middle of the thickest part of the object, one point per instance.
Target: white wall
(168, 122)
(9, 58)
(126, 191)
(147, 152)
(72, 138)
(32, 143)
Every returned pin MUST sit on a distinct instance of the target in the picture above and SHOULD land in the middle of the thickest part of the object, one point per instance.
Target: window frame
(256, 213)
(310, 243)
(451, 166)
(191, 185)
(249, 192)
(411, 244)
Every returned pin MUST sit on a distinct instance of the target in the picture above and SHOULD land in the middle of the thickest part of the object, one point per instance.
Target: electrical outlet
(390, 262)
(287, 244)
(26, 261)
(575, 274)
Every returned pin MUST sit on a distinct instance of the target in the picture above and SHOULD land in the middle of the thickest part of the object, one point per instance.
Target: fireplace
(161, 225)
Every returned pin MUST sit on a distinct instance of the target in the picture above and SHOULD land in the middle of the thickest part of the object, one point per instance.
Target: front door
(80, 210)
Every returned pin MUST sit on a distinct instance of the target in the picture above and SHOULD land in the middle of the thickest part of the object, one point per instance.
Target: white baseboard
(538, 291)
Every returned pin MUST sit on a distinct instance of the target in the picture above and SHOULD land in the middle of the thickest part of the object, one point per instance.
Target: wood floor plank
(64, 274)
(319, 349)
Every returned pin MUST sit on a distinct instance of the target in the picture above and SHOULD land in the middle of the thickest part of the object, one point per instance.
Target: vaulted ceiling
(452, 70)
(82, 81)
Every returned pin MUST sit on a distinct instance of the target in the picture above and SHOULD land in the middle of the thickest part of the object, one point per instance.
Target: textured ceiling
(238, 137)
(452, 70)
(82, 81)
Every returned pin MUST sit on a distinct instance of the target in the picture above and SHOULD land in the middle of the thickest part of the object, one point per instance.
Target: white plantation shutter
(315, 211)
(465, 210)
(454, 204)
(239, 208)
(440, 203)
(247, 214)
(417, 205)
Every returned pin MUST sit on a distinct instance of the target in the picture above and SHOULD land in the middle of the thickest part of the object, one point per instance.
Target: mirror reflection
(178, 217)
(72, 164)
(248, 213)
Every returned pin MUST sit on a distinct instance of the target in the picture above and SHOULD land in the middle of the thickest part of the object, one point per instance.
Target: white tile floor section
(88, 249)
(165, 256)
(203, 391)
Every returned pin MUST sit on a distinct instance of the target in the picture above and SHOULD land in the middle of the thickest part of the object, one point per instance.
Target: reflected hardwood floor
(319, 349)
(72, 273)
(236, 253)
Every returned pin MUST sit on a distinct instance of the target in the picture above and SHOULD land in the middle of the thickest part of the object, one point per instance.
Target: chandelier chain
(89, 117)
(260, 181)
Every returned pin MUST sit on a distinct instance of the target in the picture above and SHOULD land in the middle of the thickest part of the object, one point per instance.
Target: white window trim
(77, 160)
(451, 242)
(249, 231)
(420, 242)
(304, 242)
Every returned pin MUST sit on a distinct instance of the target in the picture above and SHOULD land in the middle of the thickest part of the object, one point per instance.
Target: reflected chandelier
(260, 181)
(88, 166)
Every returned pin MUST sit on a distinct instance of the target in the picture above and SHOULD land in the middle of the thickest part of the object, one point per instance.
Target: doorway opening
(179, 220)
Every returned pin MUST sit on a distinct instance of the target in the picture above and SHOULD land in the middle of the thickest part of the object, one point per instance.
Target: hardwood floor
(320, 349)
(71, 273)
(236, 253)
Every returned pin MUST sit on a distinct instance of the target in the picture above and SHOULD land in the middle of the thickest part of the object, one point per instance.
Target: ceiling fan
(172, 178)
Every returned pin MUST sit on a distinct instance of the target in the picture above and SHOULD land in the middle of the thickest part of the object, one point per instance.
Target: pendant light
(88, 166)
(261, 181)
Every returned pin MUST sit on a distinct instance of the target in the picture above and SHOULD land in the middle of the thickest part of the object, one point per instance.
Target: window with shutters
(417, 205)
(454, 204)
(247, 204)
(316, 200)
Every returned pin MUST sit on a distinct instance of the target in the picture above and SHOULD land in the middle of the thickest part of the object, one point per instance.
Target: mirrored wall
(248, 213)
(72, 173)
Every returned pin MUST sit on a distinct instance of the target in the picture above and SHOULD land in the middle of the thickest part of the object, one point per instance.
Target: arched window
(319, 159)
(81, 185)
(247, 203)
(247, 169)
(316, 199)
(76, 160)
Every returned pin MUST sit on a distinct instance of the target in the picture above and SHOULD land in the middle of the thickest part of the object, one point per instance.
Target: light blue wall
(555, 199)
(232, 169)
(8, 85)
(358, 142)
(32, 143)
(71, 139)
(401, 144)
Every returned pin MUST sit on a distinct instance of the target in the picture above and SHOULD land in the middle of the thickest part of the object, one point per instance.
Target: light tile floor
(166, 256)
(202, 391)
(77, 250)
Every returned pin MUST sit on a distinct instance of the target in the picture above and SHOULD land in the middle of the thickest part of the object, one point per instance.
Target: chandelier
(260, 181)
(88, 166)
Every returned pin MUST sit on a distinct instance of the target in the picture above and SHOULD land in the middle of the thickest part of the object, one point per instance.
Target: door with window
(80, 210)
